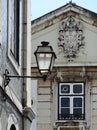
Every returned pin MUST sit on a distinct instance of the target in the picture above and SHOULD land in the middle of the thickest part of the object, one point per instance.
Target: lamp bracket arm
(7, 77)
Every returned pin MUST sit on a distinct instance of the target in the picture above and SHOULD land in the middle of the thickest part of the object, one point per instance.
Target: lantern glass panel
(44, 61)
(52, 61)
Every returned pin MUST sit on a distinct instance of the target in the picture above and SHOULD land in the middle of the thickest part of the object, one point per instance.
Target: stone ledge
(28, 112)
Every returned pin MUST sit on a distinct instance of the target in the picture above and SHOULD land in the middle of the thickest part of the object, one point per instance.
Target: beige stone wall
(47, 98)
(94, 105)
(44, 106)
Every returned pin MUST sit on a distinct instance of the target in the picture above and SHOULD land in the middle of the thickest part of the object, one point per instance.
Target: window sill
(70, 121)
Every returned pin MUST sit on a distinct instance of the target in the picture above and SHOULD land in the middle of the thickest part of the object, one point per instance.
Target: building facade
(15, 43)
(68, 98)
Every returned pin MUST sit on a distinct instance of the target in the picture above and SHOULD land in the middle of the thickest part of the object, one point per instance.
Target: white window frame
(71, 103)
(71, 96)
(15, 63)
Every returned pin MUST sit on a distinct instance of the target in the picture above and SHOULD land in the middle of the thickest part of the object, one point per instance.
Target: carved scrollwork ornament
(71, 39)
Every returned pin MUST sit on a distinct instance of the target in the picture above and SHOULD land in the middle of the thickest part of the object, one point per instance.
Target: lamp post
(45, 58)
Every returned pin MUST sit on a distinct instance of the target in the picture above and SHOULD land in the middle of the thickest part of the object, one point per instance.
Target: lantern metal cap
(44, 43)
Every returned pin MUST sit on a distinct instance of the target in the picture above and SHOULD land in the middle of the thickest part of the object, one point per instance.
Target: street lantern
(45, 58)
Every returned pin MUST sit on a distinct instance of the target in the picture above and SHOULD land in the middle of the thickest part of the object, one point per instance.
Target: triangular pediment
(70, 9)
(72, 32)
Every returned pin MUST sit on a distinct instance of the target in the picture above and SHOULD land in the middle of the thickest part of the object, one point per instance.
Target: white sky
(41, 7)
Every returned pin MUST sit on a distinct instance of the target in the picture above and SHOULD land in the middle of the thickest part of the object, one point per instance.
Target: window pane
(65, 89)
(65, 111)
(65, 102)
(77, 88)
(77, 102)
(77, 111)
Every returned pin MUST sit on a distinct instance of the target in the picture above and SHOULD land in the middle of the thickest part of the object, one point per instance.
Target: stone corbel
(28, 113)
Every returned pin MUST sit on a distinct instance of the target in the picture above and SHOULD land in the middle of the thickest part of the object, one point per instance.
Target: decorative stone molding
(12, 120)
(71, 38)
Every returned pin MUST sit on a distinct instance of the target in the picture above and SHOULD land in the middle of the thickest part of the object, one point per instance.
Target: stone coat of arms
(71, 38)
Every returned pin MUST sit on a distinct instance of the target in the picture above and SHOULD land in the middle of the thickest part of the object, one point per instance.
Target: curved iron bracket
(6, 78)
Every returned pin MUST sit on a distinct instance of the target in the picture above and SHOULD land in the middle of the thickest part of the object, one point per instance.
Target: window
(12, 127)
(71, 101)
(14, 33)
(14, 28)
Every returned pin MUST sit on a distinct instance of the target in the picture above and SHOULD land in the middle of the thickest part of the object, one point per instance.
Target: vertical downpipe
(26, 59)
